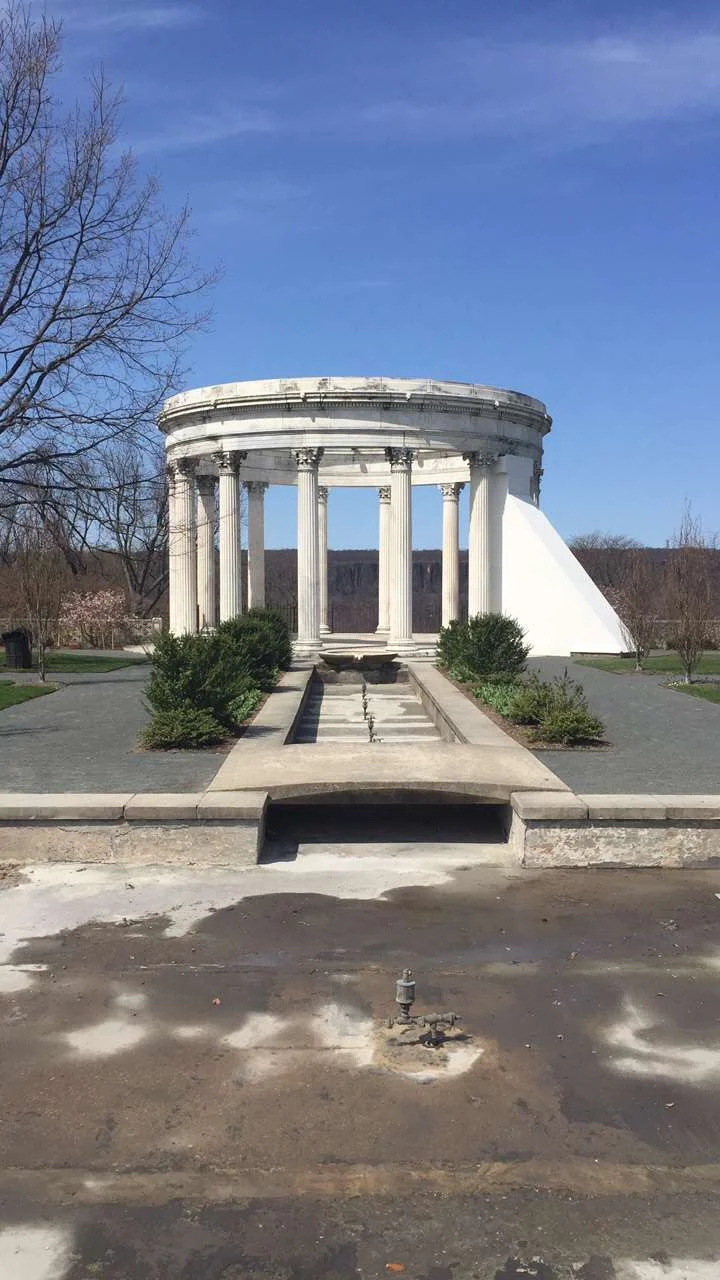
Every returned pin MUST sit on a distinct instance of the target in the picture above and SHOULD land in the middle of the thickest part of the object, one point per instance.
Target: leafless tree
(604, 556)
(689, 590)
(636, 601)
(40, 578)
(130, 520)
(97, 293)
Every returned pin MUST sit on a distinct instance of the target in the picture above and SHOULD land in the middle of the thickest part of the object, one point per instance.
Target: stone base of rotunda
(306, 648)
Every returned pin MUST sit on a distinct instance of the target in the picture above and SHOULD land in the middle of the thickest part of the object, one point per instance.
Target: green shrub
(556, 710)
(257, 646)
(569, 726)
(280, 630)
(500, 695)
(242, 707)
(489, 645)
(197, 671)
(181, 726)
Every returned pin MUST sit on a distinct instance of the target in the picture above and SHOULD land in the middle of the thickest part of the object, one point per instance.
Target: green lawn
(709, 664)
(710, 692)
(67, 661)
(11, 694)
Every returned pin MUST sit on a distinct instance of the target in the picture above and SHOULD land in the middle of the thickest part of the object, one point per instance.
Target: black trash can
(18, 649)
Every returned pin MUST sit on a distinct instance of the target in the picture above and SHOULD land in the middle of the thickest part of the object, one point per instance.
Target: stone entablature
(274, 419)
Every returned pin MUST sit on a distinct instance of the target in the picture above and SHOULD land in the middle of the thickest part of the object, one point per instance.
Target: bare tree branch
(97, 292)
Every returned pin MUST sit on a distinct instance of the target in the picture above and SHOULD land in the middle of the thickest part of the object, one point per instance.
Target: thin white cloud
(105, 15)
(186, 129)
(576, 88)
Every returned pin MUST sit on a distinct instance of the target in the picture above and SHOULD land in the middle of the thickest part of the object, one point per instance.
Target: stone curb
(240, 806)
(549, 806)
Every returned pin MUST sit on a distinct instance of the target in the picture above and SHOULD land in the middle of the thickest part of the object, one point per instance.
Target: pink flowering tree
(93, 616)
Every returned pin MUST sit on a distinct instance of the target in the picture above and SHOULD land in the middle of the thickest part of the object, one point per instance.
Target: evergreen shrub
(490, 645)
(221, 674)
(182, 726)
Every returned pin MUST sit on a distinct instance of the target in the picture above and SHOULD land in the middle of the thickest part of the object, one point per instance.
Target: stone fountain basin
(342, 660)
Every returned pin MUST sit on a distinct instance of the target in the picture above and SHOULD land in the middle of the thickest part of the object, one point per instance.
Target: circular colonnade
(321, 434)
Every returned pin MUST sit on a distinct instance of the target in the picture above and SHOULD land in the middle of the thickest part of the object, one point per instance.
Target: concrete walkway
(83, 738)
(662, 741)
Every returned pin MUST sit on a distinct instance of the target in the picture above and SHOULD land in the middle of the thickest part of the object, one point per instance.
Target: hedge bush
(242, 707)
(182, 726)
(489, 645)
(262, 640)
(221, 675)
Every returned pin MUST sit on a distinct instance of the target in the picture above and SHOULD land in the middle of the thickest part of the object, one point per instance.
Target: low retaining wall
(205, 829)
(554, 830)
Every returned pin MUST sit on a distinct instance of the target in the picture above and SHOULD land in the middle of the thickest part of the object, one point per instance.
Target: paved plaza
(84, 738)
(198, 1084)
(662, 741)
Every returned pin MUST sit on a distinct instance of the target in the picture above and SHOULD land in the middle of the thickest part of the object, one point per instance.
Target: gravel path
(83, 738)
(663, 741)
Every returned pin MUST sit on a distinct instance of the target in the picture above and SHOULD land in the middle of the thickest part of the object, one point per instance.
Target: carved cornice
(308, 459)
(229, 463)
(384, 493)
(400, 459)
(451, 492)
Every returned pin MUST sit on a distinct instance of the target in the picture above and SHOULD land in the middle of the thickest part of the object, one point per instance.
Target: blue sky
(506, 192)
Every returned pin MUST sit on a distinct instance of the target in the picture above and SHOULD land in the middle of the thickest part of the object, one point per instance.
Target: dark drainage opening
(290, 825)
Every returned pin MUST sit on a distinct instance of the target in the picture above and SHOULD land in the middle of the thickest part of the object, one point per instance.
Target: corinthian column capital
(229, 462)
(451, 492)
(308, 459)
(400, 459)
(485, 459)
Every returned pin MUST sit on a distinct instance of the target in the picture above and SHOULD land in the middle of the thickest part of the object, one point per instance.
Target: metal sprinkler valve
(405, 995)
(435, 1024)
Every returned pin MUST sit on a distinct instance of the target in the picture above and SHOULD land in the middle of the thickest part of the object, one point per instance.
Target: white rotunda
(387, 434)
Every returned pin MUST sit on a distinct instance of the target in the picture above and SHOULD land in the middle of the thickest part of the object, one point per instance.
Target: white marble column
(450, 553)
(480, 576)
(323, 558)
(308, 568)
(207, 608)
(256, 543)
(401, 635)
(383, 625)
(229, 535)
(172, 548)
(186, 569)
